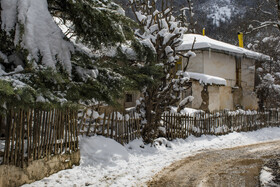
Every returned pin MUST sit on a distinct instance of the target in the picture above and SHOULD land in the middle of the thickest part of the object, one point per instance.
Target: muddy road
(239, 166)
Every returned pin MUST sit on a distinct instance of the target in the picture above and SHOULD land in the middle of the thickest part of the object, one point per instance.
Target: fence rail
(121, 127)
(182, 126)
(126, 127)
(32, 134)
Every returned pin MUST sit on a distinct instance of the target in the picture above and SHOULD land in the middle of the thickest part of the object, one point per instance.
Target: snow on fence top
(204, 42)
(207, 79)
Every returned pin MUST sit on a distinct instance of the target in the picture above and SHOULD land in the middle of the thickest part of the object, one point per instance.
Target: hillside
(222, 19)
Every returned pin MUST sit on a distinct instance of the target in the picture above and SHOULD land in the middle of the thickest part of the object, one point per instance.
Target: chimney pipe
(240, 38)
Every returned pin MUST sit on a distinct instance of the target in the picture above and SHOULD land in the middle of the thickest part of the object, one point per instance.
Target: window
(128, 98)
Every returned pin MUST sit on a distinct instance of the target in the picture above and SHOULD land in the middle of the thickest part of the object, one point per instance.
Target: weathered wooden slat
(112, 125)
(108, 124)
(103, 123)
(72, 123)
(9, 125)
(46, 126)
(47, 133)
(17, 139)
(76, 132)
(55, 129)
(62, 130)
(28, 119)
(34, 132)
(82, 121)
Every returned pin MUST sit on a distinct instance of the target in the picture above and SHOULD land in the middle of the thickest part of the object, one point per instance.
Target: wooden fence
(121, 127)
(32, 134)
(220, 123)
(126, 127)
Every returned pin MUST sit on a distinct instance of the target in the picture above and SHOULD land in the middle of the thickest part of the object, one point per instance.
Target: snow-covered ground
(105, 162)
(268, 175)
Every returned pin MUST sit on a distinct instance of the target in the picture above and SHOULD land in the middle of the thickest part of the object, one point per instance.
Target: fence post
(6, 159)
(103, 124)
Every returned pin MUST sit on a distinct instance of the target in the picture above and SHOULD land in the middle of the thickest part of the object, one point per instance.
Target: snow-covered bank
(104, 162)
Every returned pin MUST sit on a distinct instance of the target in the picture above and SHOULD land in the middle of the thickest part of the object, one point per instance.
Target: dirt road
(234, 167)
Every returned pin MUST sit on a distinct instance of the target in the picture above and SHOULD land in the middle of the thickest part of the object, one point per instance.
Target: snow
(8, 14)
(221, 15)
(186, 100)
(85, 74)
(4, 57)
(221, 11)
(190, 54)
(41, 36)
(207, 79)
(269, 77)
(140, 16)
(105, 162)
(266, 176)
(185, 111)
(106, 151)
(204, 42)
(40, 98)
(19, 68)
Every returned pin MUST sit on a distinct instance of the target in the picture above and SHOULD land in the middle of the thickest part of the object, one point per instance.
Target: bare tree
(270, 11)
(186, 17)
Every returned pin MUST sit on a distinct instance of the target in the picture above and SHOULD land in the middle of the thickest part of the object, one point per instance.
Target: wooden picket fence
(219, 123)
(122, 127)
(32, 134)
(125, 127)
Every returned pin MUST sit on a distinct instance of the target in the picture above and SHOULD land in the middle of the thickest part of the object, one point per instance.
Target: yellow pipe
(179, 64)
(240, 38)
(203, 32)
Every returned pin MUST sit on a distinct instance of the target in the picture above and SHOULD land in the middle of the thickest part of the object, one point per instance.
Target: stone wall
(11, 176)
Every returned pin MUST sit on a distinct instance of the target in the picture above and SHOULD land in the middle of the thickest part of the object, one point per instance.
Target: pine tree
(57, 51)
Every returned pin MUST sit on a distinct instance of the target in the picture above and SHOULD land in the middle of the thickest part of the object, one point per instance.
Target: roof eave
(261, 57)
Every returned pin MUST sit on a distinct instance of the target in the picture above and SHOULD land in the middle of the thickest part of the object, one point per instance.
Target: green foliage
(6, 89)
(16, 96)
(95, 22)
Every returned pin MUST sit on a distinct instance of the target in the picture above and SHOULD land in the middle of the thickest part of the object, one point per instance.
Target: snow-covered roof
(204, 42)
(207, 79)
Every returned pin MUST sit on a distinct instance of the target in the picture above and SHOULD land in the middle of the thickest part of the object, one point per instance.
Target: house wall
(196, 64)
(222, 97)
(220, 65)
(249, 98)
(214, 98)
(196, 92)
(224, 66)
(226, 98)
(135, 96)
(218, 97)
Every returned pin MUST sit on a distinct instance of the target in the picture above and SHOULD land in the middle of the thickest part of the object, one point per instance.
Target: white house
(223, 75)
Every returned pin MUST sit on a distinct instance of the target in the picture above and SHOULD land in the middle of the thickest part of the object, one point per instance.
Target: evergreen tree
(57, 51)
